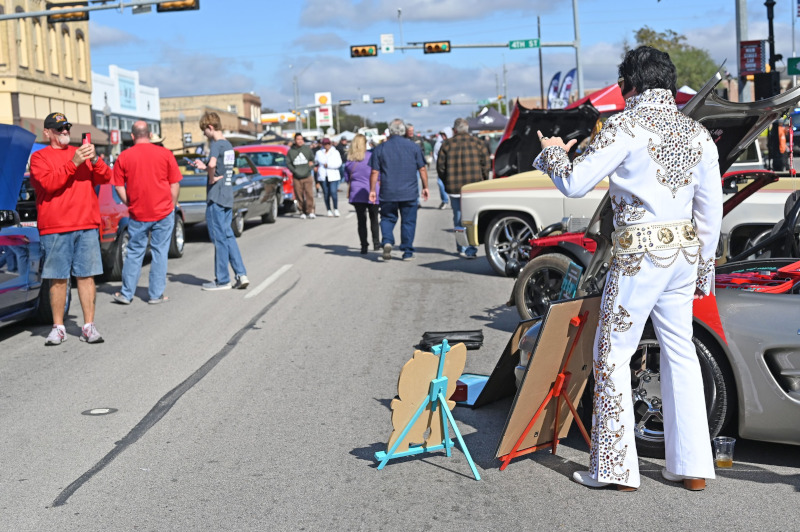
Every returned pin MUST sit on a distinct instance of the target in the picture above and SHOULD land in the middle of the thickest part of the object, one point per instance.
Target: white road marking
(268, 281)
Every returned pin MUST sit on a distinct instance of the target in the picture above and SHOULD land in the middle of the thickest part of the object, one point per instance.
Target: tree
(694, 65)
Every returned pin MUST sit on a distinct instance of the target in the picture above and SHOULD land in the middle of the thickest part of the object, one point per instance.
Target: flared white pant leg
(635, 287)
(687, 439)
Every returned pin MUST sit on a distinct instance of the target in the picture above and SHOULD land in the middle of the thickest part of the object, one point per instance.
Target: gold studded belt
(658, 236)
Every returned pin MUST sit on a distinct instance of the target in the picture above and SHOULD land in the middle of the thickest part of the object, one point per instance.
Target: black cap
(56, 120)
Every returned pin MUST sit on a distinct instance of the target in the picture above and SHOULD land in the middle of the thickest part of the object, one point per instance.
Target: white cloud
(106, 36)
(179, 74)
(365, 12)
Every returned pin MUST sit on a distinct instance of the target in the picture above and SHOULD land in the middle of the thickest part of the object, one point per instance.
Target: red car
(271, 159)
(113, 226)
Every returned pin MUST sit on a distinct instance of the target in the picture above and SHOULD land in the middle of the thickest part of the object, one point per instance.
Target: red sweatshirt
(65, 196)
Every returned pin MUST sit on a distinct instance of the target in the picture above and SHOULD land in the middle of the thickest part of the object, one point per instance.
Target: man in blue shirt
(396, 163)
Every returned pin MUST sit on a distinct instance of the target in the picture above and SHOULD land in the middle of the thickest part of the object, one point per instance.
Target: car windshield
(268, 158)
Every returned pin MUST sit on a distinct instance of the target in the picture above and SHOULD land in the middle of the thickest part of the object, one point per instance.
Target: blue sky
(260, 45)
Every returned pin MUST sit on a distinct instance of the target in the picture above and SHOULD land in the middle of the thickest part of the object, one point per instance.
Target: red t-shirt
(147, 171)
(65, 196)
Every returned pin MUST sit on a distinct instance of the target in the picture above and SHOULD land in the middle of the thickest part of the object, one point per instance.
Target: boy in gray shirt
(219, 211)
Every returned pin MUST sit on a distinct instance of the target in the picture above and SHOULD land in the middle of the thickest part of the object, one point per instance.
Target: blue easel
(436, 396)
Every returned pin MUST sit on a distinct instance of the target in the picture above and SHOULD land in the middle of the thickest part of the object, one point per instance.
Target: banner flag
(566, 85)
(552, 93)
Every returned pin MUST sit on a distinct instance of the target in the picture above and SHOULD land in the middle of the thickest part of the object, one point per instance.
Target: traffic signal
(767, 85)
(379, 100)
(178, 5)
(416, 104)
(67, 17)
(342, 103)
(445, 102)
(364, 50)
(436, 47)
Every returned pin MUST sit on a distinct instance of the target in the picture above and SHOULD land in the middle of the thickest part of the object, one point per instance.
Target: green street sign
(524, 43)
(793, 66)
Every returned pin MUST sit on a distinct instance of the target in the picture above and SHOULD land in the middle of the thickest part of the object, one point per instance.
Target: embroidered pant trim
(636, 289)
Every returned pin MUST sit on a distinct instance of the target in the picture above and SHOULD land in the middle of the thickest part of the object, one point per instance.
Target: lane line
(268, 281)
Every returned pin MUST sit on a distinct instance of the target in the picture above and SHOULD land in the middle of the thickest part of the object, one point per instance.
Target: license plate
(29, 224)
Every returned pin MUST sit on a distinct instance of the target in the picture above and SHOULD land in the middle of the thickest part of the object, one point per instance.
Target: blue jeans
(160, 236)
(408, 223)
(331, 191)
(455, 203)
(218, 219)
(442, 192)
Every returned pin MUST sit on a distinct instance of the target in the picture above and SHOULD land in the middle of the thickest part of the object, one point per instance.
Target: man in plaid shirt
(463, 159)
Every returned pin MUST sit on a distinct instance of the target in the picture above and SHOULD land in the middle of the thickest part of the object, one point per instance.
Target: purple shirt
(358, 176)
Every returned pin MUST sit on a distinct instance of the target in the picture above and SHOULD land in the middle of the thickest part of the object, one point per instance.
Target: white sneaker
(330, 214)
(336, 212)
(312, 216)
(211, 286)
(242, 282)
(58, 335)
(90, 335)
(302, 216)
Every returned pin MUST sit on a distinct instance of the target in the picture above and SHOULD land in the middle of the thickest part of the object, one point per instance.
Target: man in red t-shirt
(146, 177)
(68, 217)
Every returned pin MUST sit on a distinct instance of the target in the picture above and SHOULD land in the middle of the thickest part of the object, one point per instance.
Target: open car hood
(520, 144)
(15, 145)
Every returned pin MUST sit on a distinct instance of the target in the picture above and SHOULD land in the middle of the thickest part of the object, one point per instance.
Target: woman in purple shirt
(357, 172)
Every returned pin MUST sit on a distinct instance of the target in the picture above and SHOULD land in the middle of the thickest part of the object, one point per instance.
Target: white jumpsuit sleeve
(602, 157)
(707, 214)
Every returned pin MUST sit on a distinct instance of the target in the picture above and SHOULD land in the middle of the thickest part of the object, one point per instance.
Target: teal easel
(436, 396)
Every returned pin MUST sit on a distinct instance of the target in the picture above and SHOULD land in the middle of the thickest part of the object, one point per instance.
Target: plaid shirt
(463, 159)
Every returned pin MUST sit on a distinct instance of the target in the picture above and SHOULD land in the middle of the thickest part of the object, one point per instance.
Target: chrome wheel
(507, 238)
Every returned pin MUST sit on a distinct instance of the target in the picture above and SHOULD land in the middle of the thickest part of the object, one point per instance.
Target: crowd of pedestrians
(384, 186)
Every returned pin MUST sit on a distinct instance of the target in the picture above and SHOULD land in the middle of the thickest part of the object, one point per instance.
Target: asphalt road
(261, 409)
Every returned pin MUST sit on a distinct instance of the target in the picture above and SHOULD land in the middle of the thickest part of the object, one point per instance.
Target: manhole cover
(99, 411)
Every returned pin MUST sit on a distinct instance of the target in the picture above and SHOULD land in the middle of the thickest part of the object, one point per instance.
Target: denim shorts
(75, 253)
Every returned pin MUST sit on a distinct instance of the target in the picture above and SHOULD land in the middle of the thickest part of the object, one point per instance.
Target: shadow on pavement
(501, 317)
(185, 278)
(477, 266)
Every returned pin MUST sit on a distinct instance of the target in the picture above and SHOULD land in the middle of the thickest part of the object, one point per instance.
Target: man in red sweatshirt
(64, 178)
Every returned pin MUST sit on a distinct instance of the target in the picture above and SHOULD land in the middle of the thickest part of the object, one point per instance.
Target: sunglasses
(61, 129)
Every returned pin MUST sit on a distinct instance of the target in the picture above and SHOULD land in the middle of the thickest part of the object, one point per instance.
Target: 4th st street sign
(524, 43)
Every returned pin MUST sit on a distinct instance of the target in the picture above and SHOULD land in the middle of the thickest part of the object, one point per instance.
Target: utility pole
(741, 35)
(773, 142)
(541, 74)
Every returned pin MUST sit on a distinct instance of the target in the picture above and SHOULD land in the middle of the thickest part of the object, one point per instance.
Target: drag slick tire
(647, 398)
(539, 284)
(507, 238)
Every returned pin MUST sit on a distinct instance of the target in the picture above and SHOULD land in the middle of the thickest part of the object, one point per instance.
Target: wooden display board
(561, 334)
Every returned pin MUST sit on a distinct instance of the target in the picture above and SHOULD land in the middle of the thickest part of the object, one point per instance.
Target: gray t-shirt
(221, 192)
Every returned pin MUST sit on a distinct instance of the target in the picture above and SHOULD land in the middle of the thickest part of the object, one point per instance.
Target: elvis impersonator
(666, 193)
